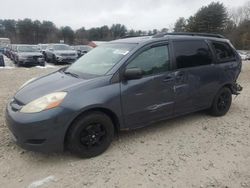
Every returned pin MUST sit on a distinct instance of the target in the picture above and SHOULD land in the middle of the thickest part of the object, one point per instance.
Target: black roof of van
(166, 36)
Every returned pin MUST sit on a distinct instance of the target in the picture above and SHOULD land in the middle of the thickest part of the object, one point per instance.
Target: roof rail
(159, 35)
(132, 36)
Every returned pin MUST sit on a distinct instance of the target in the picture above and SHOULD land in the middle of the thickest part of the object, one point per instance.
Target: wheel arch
(114, 118)
(229, 86)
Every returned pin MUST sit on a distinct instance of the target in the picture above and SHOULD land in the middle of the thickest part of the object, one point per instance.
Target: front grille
(16, 105)
(67, 54)
(36, 57)
(29, 57)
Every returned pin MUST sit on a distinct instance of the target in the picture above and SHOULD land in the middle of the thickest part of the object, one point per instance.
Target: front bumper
(32, 62)
(42, 132)
(66, 58)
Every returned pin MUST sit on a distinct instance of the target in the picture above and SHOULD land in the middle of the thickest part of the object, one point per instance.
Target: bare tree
(239, 14)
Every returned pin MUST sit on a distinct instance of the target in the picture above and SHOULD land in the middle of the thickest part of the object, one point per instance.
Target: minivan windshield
(101, 59)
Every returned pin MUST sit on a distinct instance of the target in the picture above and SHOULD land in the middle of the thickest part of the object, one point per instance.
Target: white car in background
(244, 55)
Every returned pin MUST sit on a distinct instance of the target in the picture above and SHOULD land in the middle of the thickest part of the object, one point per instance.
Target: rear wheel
(222, 102)
(90, 135)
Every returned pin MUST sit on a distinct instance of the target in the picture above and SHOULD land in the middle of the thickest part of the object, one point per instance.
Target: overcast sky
(136, 14)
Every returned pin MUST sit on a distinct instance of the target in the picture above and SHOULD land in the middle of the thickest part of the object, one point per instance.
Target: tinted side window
(152, 61)
(223, 51)
(191, 54)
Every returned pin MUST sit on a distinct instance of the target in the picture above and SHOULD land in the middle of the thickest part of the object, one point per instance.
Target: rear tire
(90, 135)
(222, 102)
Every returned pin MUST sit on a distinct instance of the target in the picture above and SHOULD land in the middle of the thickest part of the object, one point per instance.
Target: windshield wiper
(72, 74)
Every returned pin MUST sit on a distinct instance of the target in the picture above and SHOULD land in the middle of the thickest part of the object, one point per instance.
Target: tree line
(213, 18)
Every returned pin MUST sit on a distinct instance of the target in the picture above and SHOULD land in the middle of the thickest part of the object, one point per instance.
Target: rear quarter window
(223, 52)
(192, 53)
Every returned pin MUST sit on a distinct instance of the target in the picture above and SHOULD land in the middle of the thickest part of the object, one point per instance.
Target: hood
(65, 51)
(53, 82)
(30, 53)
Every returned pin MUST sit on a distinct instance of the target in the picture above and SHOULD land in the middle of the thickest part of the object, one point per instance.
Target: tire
(90, 135)
(18, 64)
(54, 60)
(42, 64)
(222, 102)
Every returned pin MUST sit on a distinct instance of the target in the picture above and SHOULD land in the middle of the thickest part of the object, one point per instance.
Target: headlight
(46, 102)
(26, 83)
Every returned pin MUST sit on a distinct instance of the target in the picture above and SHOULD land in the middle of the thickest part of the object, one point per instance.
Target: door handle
(179, 74)
(168, 79)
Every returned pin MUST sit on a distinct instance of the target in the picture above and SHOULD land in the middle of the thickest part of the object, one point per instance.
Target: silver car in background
(60, 53)
(28, 55)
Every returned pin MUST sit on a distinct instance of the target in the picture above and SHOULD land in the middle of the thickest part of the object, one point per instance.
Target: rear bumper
(236, 88)
(42, 132)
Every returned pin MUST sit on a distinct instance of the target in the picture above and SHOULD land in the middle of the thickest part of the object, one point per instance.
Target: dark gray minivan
(121, 85)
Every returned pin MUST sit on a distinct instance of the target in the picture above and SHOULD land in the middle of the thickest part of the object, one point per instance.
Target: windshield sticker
(121, 52)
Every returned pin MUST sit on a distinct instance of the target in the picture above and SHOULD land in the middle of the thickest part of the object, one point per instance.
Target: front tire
(90, 135)
(222, 102)
(54, 60)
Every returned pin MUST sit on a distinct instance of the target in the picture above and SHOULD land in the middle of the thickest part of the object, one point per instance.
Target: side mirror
(133, 73)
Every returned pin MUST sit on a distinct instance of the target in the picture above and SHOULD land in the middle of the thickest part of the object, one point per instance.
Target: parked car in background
(82, 49)
(245, 55)
(3, 44)
(28, 55)
(248, 55)
(122, 85)
(60, 53)
(7, 50)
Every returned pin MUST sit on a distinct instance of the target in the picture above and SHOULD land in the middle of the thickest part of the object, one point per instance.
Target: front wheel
(90, 135)
(222, 102)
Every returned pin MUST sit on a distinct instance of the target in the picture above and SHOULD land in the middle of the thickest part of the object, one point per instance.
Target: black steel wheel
(93, 135)
(90, 135)
(222, 102)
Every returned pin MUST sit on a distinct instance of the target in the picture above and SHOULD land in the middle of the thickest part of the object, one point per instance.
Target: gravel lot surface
(196, 150)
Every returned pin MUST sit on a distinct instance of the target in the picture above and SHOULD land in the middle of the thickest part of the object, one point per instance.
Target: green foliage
(210, 19)
(180, 25)
(67, 34)
(240, 35)
(34, 32)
